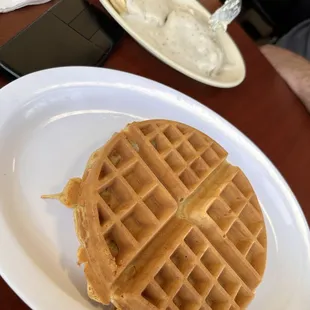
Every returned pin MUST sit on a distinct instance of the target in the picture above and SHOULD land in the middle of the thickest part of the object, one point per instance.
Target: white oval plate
(226, 78)
(51, 121)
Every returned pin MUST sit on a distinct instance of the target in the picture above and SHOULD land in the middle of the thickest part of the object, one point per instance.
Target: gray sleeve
(297, 40)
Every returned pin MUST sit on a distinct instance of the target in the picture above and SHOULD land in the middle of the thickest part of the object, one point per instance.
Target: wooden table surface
(262, 107)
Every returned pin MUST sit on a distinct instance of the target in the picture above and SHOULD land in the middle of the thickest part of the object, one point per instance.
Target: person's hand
(294, 69)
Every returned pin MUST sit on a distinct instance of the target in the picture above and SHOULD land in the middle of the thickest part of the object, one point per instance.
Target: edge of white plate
(209, 81)
(39, 82)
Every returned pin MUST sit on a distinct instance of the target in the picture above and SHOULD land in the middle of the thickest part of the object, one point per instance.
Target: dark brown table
(262, 107)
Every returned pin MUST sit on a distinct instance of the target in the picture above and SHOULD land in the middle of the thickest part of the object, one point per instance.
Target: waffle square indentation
(256, 257)
(103, 215)
(138, 177)
(198, 142)
(212, 262)
(140, 222)
(243, 298)
(217, 299)
(196, 242)
(119, 244)
(221, 214)
(240, 237)
(188, 178)
(175, 162)
(182, 259)
(186, 151)
(160, 204)
(200, 167)
(160, 143)
(228, 281)
(185, 298)
(147, 129)
(116, 195)
(167, 278)
(251, 219)
(233, 197)
(199, 280)
(172, 134)
(120, 154)
(211, 157)
(153, 294)
(105, 171)
(243, 184)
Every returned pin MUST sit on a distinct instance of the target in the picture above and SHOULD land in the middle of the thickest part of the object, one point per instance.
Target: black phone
(71, 33)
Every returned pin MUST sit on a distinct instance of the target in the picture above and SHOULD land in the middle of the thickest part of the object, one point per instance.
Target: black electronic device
(71, 33)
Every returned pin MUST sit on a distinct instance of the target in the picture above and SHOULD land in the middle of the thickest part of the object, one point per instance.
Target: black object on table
(72, 33)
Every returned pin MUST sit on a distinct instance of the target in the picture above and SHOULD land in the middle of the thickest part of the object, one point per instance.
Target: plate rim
(81, 75)
(205, 80)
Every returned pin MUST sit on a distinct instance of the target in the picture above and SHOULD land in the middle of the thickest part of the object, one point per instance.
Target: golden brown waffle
(165, 222)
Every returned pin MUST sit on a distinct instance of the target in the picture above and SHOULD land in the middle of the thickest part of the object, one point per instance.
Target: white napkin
(11, 5)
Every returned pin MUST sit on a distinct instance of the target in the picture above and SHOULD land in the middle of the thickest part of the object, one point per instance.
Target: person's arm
(294, 69)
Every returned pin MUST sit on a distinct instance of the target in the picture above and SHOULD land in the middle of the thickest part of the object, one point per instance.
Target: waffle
(165, 222)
